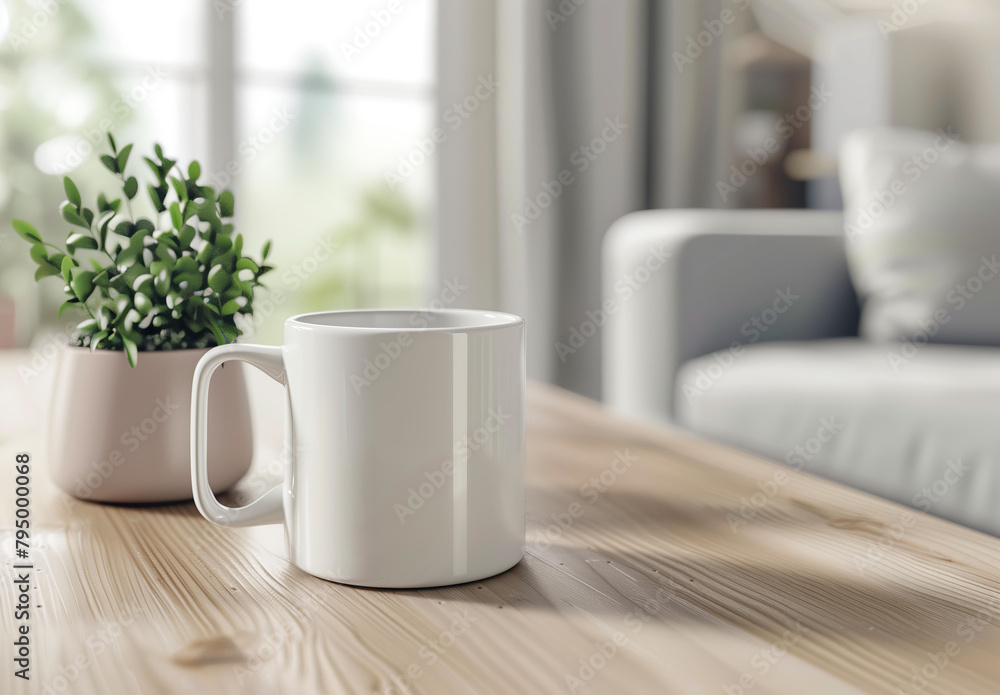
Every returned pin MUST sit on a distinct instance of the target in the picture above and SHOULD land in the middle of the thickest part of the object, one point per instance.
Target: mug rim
(477, 320)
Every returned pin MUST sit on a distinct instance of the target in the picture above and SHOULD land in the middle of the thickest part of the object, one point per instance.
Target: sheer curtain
(590, 119)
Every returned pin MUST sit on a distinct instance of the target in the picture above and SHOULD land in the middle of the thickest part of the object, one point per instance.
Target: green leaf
(123, 157)
(131, 187)
(223, 244)
(83, 284)
(210, 322)
(45, 271)
(154, 166)
(155, 197)
(247, 264)
(88, 215)
(67, 305)
(39, 254)
(125, 228)
(70, 214)
(162, 282)
(95, 341)
(66, 267)
(111, 141)
(26, 231)
(159, 151)
(102, 203)
(136, 244)
(109, 163)
(165, 253)
(103, 233)
(233, 306)
(186, 264)
(266, 250)
(143, 304)
(175, 215)
(131, 351)
(72, 194)
(105, 317)
(186, 236)
(193, 280)
(131, 274)
(206, 252)
(179, 188)
(218, 278)
(81, 241)
(226, 204)
(194, 171)
(143, 284)
(143, 223)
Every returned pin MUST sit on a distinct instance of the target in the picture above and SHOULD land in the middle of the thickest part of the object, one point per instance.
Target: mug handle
(267, 509)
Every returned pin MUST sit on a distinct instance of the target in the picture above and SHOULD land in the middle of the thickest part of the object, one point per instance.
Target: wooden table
(638, 578)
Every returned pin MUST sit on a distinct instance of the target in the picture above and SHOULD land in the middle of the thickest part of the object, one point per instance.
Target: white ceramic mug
(404, 440)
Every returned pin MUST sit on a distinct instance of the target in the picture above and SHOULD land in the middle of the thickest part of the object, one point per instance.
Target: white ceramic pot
(117, 434)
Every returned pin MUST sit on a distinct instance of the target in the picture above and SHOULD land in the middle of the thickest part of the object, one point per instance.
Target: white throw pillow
(922, 219)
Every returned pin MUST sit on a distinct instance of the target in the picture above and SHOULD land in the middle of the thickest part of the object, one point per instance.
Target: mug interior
(408, 320)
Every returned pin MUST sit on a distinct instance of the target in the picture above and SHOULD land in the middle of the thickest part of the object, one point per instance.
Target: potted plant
(156, 293)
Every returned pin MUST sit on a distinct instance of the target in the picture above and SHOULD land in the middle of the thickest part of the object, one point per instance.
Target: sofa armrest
(686, 283)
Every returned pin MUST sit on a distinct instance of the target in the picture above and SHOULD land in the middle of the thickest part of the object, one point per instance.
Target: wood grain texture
(634, 581)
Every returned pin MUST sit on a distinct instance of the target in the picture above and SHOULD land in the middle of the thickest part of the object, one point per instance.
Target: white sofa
(747, 333)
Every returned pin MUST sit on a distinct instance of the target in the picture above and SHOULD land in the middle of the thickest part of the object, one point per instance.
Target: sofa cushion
(919, 426)
(922, 219)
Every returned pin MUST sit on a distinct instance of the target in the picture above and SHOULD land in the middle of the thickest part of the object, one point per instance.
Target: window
(326, 97)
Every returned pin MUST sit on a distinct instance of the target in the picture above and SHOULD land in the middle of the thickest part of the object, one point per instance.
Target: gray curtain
(592, 120)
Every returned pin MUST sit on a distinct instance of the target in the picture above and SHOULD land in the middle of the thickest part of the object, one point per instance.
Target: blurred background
(466, 152)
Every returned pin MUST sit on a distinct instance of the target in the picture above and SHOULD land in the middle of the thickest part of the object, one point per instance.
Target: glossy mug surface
(404, 445)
